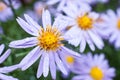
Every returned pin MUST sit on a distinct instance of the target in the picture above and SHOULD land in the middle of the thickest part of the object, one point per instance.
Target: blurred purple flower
(94, 68)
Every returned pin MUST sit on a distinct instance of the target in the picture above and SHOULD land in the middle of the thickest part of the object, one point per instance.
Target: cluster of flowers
(74, 22)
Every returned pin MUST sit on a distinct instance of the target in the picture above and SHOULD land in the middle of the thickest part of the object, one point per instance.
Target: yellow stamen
(118, 24)
(49, 39)
(69, 59)
(96, 73)
(2, 6)
(85, 22)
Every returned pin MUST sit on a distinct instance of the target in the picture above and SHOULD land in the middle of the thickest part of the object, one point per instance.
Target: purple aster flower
(70, 61)
(111, 26)
(48, 42)
(94, 68)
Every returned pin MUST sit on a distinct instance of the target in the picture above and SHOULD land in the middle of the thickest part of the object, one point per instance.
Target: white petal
(117, 43)
(113, 37)
(74, 41)
(28, 28)
(111, 14)
(5, 77)
(82, 45)
(60, 23)
(9, 68)
(69, 12)
(118, 12)
(33, 59)
(35, 25)
(51, 2)
(110, 72)
(46, 18)
(60, 64)
(96, 39)
(46, 65)
(40, 67)
(5, 55)
(52, 66)
(28, 57)
(69, 51)
(94, 15)
(90, 43)
(61, 5)
(24, 43)
(74, 32)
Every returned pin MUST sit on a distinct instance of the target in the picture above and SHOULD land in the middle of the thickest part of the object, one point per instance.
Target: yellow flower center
(96, 73)
(2, 6)
(69, 59)
(50, 39)
(118, 24)
(84, 22)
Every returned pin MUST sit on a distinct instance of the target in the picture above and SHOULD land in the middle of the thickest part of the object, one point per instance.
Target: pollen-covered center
(118, 24)
(70, 59)
(84, 22)
(2, 6)
(96, 73)
(49, 39)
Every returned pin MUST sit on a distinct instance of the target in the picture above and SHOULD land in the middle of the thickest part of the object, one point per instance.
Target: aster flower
(47, 40)
(111, 26)
(4, 70)
(83, 27)
(94, 68)
(70, 61)
(5, 12)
